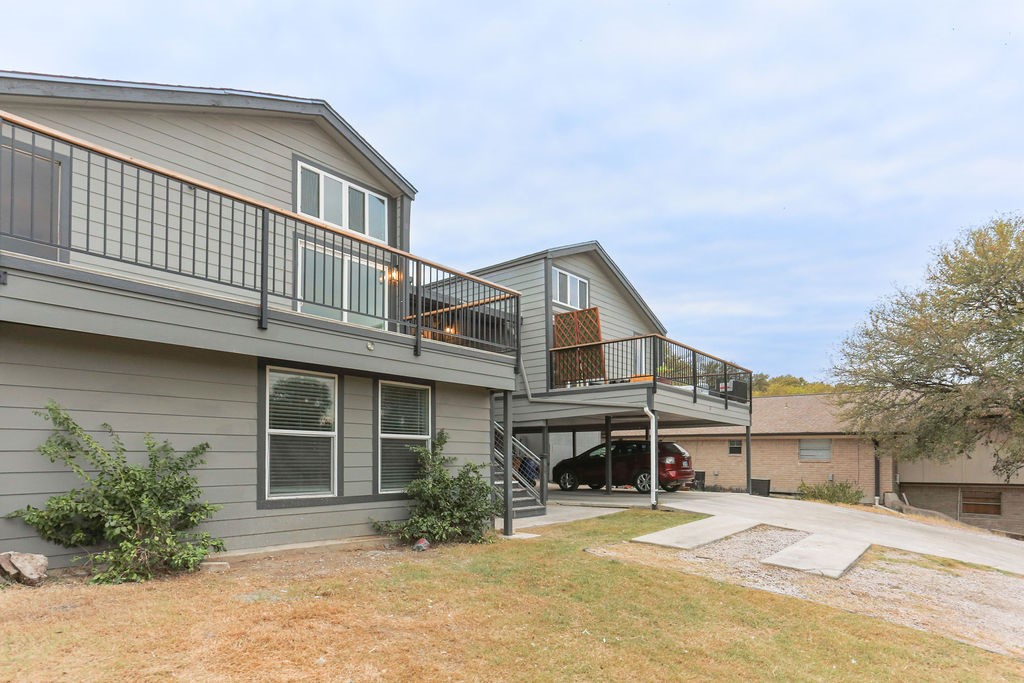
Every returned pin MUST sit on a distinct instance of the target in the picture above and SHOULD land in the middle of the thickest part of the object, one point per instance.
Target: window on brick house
(735, 447)
(981, 503)
(815, 450)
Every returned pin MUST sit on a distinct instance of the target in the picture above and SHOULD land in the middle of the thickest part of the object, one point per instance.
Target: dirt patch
(979, 606)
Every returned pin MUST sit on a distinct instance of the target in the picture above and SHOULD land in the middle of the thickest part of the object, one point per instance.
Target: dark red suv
(631, 464)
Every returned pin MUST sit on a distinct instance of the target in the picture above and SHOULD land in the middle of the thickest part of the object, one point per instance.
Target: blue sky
(763, 172)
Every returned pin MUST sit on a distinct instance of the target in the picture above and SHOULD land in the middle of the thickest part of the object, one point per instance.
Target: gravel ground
(976, 605)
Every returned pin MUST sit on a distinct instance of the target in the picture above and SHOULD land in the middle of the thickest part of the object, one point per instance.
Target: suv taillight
(668, 460)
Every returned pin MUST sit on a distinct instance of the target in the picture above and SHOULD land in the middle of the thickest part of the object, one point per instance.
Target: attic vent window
(569, 290)
(337, 201)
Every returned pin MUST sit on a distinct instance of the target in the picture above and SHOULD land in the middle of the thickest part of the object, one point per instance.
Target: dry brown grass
(538, 609)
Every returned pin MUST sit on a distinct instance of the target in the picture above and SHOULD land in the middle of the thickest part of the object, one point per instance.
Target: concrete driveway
(839, 535)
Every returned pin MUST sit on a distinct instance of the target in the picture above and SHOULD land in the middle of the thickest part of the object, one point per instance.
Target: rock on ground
(26, 568)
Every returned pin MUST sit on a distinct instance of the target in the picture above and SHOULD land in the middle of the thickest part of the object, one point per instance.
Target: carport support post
(607, 455)
(749, 487)
(507, 424)
(545, 461)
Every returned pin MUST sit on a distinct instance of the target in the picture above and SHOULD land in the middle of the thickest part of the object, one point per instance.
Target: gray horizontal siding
(41, 299)
(249, 154)
(620, 316)
(528, 279)
(142, 387)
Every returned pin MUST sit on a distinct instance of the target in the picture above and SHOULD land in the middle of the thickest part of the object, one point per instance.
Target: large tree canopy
(938, 370)
(787, 385)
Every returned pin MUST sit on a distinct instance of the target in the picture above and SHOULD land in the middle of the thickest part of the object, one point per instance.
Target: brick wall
(778, 459)
(945, 499)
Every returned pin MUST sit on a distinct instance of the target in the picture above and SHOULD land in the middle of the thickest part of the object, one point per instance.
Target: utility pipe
(654, 454)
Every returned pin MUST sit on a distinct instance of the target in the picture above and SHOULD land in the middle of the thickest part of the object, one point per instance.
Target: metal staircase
(529, 476)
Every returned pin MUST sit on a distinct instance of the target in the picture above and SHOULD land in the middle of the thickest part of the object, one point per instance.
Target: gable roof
(780, 415)
(103, 90)
(592, 247)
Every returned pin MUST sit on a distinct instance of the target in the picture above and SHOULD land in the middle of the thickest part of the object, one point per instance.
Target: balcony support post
(545, 462)
(264, 269)
(749, 489)
(607, 455)
(418, 303)
(693, 366)
(506, 423)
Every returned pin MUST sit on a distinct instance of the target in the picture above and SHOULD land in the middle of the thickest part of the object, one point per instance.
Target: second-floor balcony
(76, 204)
(653, 360)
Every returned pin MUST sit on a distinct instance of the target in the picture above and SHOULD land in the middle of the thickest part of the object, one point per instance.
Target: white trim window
(735, 447)
(302, 434)
(335, 200)
(333, 284)
(815, 450)
(569, 290)
(404, 412)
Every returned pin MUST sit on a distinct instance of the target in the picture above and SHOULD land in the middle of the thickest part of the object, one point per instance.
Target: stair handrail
(519, 450)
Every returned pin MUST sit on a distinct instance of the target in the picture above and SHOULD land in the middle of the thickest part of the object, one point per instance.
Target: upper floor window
(735, 447)
(815, 450)
(339, 202)
(569, 290)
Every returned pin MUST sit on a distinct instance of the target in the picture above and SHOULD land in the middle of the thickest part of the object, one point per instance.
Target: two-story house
(230, 267)
(595, 359)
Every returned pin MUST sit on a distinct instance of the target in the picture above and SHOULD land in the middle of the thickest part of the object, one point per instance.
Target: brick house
(799, 438)
(794, 439)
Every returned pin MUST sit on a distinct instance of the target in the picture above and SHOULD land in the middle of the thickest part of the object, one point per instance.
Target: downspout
(654, 450)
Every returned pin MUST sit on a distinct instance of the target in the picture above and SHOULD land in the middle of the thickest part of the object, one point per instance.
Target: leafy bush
(832, 492)
(138, 517)
(446, 507)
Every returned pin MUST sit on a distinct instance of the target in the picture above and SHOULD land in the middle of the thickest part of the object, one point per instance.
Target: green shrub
(832, 492)
(136, 517)
(446, 507)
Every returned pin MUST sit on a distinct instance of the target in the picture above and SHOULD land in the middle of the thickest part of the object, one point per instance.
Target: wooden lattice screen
(573, 367)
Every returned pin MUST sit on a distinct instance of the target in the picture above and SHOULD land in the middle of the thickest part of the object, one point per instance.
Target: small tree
(938, 370)
(446, 507)
(138, 517)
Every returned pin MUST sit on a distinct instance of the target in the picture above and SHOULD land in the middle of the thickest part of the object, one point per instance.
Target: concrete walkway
(863, 527)
(839, 535)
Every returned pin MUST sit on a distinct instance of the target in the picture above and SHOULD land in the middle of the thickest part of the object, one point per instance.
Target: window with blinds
(301, 434)
(404, 422)
(815, 450)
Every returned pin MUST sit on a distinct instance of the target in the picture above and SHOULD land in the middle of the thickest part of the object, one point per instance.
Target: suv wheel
(672, 488)
(568, 481)
(642, 482)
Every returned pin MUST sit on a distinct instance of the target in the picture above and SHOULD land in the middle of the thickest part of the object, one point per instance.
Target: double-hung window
(339, 202)
(404, 412)
(302, 434)
(334, 284)
(569, 290)
(815, 450)
(735, 447)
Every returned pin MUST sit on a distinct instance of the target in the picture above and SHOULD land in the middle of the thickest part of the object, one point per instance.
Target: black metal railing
(650, 359)
(72, 201)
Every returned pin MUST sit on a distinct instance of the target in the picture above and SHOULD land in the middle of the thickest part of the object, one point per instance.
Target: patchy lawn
(539, 609)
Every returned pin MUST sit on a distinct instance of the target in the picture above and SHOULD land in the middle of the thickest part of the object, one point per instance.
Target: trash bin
(698, 480)
(760, 487)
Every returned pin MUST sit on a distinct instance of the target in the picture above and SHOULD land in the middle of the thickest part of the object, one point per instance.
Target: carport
(646, 406)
